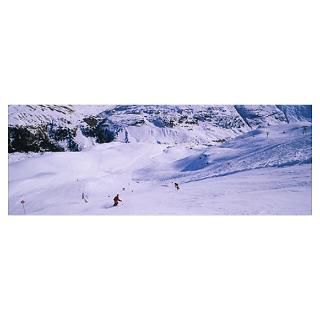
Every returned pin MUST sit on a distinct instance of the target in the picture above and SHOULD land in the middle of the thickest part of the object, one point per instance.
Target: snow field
(251, 174)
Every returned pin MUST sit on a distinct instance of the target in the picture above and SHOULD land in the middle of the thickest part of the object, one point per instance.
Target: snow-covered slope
(277, 146)
(251, 174)
(296, 113)
(222, 157)
(201, 124)
(68, 115)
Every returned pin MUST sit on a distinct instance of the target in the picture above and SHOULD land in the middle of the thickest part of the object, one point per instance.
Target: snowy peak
(195, 124)
(261, 115)
(296, 113)
(201, 124)
(24, 115)
(266, 115)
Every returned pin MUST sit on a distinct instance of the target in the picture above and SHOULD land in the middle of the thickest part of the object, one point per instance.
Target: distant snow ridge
(75, 127)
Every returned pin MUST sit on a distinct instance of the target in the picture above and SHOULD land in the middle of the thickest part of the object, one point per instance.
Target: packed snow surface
(264, 171)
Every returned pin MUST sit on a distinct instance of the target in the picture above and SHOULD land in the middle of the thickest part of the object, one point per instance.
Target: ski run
(264, 171)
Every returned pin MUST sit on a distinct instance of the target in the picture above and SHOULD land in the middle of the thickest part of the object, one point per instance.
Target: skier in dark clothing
(176, 186)
(116, 200)
(84, 197)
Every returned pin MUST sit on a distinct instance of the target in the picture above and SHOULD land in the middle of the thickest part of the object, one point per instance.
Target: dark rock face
(58, 134)
(41, 138)
(91, 127)
(26, 139)
(104, 135)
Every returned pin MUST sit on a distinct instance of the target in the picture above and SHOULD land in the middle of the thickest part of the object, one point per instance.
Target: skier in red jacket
(116, 200)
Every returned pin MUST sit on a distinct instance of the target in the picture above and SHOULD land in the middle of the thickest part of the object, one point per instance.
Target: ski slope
(254, 173)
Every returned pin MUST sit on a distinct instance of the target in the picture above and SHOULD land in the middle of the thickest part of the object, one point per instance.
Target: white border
(220, 52)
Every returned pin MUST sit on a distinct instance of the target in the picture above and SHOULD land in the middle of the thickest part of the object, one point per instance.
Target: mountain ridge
(40, 128)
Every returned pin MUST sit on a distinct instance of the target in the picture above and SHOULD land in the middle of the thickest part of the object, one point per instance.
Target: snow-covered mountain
(53, 127)
(251, 174)
(75, 127)
(223, 158)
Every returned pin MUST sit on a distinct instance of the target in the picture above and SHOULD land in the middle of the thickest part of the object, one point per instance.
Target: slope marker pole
(24, 209)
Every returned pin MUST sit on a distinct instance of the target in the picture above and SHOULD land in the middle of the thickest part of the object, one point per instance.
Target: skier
(84, 197)
(176, 186)
(116, 200)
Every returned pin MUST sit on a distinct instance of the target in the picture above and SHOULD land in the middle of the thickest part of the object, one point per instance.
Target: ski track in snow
(251, 174)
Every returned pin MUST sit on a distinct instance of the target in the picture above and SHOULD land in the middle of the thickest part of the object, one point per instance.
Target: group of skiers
(117, 199)
(268, 133)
